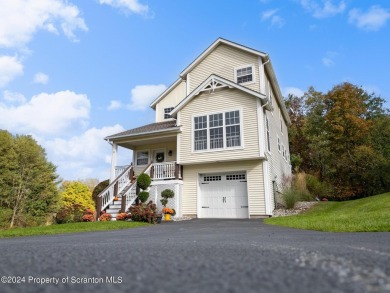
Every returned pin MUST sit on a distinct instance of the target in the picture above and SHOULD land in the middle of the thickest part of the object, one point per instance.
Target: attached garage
(223, 195)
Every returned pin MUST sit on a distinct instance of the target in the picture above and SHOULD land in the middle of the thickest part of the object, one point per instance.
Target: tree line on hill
(343, 138)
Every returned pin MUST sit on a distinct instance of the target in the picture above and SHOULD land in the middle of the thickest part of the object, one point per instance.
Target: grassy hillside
(369, 214)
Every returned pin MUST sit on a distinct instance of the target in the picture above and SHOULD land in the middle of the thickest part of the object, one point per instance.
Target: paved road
(200, 256)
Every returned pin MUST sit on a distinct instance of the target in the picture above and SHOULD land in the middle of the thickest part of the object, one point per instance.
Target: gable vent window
(167, 111)
(244, 74)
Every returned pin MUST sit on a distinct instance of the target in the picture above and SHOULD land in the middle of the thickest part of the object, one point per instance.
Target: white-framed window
(167, 111)
(217, 131)
(268, 134)
(142, 158)
(244, 74)
(283, 152)
(279, 146)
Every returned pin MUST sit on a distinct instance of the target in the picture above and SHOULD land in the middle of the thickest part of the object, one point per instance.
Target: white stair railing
(115, 187)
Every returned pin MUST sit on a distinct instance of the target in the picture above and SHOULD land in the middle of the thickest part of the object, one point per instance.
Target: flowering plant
(167, 211)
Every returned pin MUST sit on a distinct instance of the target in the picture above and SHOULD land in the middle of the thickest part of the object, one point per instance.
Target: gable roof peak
(215, 44)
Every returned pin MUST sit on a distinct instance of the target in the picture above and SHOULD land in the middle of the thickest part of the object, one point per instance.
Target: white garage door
(223, 196)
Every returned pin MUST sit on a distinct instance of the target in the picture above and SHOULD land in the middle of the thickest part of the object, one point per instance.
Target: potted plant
(167, 212)
(166, 194)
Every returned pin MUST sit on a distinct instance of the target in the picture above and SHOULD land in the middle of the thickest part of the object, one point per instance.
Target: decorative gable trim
(215, 82)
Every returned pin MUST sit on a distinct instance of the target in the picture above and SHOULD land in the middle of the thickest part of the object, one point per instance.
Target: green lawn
(70, 228)
(371, 214)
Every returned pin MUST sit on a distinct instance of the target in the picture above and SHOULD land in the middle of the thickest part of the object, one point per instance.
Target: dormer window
(244, 74)
(167, 111)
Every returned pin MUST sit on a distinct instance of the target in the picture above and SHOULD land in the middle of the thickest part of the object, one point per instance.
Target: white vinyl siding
(255, 184)
(222, 62)
(169, 157)
(206, 104)
(170, 100)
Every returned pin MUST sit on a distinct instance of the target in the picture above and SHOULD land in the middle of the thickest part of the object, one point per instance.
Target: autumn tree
(76, 197)
(28, 180)
(342, 137)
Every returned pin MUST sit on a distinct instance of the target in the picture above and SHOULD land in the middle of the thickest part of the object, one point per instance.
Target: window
(244, 74)
(167, 111)
(268, 134)
(279, 147)
(200, 134)
(217, 131)
(142, 158)
(235, 177)
(212, 178)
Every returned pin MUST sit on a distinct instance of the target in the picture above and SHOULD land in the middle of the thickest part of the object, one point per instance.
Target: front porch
(158, 171)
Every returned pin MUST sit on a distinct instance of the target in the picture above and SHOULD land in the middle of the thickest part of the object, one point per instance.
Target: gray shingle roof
(149, 128)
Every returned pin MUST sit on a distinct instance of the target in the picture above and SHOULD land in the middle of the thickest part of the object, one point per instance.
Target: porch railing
(166, 170)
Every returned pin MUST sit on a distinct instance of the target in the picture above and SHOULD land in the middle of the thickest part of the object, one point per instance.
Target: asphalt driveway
(198, 256)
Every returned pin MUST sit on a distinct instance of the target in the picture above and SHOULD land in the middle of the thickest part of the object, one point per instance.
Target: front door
(158, 156)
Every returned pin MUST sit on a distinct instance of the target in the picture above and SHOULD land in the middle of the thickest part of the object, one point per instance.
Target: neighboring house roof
(165, 126)
(214, 82)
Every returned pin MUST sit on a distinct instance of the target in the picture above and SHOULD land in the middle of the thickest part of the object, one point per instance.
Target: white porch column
(114, 156)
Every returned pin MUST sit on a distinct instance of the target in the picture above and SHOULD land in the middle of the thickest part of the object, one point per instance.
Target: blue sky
(73, 72)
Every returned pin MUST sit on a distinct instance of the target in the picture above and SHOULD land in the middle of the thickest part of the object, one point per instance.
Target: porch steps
(114, 208)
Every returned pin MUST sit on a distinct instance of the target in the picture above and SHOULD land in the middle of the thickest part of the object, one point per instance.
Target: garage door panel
(223, 196)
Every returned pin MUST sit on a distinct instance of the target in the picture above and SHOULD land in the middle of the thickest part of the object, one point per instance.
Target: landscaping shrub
(89, 215)
(290, 197)
(143, 196)
(317, 188)
(69, 214)
(122, 217)
(165, 194)
(98, 189)
(144, 213)
(144, 181)
(105, 217)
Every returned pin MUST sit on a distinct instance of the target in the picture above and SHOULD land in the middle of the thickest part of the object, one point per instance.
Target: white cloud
(294, 91)
(10, 67)
(328, 59)
(275, 19)
(13, 97)
(324, 9)
(128, 5)
(41, 78)
(143, 95)
(372, 20)
(87, 155)
(20, 20)
(114, 105)
(46, 113)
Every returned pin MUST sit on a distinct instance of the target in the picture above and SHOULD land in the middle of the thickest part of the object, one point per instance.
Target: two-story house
(220, 138)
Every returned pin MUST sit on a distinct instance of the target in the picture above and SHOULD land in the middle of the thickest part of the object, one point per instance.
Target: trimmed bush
(165, 194)
(143, 196)
(89, 215)
(144, 213)
(105, 217)
(144, 181)
(122, 217)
